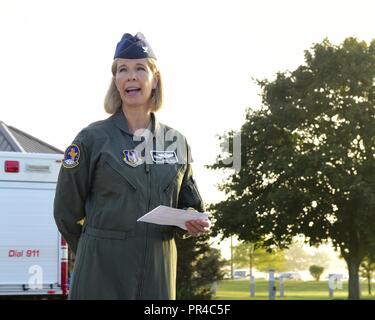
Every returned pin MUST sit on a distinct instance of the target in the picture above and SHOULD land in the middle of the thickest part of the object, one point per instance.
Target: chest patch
(164, 157)
(132, 158)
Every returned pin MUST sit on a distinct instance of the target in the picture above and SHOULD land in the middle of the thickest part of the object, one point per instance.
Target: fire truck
(33, 254)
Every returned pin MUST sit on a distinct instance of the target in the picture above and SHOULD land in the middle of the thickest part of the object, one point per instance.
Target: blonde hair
(112, 100)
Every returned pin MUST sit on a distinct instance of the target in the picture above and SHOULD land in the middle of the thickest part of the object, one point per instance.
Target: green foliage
(316, 271)
(307, 157)
(251, 255)
(198, 267)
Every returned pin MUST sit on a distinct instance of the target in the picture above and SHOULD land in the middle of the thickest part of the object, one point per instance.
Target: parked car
(290, 276)
(239, 274)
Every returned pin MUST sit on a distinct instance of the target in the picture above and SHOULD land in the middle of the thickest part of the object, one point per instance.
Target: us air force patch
(132, 158)
(71, 156)
(164, 156)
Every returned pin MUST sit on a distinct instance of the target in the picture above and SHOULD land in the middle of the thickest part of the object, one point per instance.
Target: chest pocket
(121, 170)
(172, 176)
(115, 192)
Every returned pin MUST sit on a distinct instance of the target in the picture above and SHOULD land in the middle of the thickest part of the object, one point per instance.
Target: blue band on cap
(133, 47)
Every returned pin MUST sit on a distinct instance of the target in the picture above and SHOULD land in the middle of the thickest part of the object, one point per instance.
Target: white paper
(171, 216)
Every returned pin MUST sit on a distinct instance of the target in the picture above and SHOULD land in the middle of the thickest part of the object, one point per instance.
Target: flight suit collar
(122, 123)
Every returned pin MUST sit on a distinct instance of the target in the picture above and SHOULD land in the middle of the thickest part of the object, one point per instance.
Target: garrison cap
(133, 47)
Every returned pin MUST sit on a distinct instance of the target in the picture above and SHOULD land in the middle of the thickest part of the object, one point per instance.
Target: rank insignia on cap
(133, 47)
(71, 156)
(132, 158)
(164, 156)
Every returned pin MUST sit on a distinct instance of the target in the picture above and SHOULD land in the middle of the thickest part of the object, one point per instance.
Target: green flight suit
(116, 256)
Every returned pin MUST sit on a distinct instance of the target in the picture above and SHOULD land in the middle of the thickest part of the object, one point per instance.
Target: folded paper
(172, 217)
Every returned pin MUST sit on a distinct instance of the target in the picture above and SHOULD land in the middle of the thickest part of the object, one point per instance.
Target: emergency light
(12, 166)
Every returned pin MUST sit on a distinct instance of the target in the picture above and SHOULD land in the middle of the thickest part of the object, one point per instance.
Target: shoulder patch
(71, 156)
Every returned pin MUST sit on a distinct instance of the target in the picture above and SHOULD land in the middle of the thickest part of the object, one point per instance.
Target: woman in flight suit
(114, 172)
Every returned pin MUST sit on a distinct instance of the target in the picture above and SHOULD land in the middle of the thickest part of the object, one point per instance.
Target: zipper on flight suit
(148, 174)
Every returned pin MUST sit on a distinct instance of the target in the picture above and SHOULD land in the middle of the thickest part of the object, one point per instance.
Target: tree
(298, 259)
(198, 267)
(307, 157)
(316, 271)
(367, 269)
(247, 254)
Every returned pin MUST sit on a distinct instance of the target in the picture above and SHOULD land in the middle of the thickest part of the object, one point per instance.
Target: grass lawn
(293, 290)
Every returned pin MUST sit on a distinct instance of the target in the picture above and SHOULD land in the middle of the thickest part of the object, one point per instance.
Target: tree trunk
(231, 258)
(251, 263)
(353, 266)
(369, 284)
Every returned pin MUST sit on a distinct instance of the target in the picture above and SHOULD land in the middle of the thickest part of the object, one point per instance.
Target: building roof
(13, 139)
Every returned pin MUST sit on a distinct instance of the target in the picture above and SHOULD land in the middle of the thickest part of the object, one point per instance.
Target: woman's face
(134, 81)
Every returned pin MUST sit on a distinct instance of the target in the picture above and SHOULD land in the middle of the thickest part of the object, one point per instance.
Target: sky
(56, 56)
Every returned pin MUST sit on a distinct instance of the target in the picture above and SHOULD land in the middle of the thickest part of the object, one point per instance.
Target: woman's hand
(197, 227)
